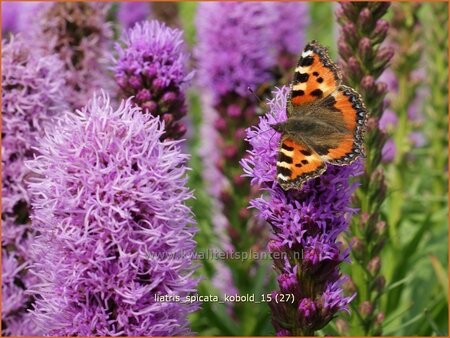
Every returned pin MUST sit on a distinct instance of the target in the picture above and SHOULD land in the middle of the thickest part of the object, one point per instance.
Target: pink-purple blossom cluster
(306, 221)
(32, 93)
(151, 68)
(114, 230)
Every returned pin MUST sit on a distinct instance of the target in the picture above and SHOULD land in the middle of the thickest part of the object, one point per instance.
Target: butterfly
(325, 120)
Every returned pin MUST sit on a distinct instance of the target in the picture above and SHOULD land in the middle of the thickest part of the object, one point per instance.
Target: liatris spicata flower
(306, 224)
(115, 233)
(32, 92)
(151, 67)
(363, 60)
(131, 12)
(79, 34)
(238, 49)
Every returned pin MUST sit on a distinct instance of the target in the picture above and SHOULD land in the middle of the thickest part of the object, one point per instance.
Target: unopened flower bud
(365, 50)
(357, 246)
(306, 311)
(380, 32)
(143, 95)
(379, 283)
(169, 97)
(149, 106)
(220, 124)
(230, 152)
(374, 265)
(365, 309)
(365, 20)
(354, 68)
(135, 82)
(383, 57)
(234, 111)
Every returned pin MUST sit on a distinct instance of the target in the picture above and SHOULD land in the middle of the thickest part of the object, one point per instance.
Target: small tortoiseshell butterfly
(326, 120)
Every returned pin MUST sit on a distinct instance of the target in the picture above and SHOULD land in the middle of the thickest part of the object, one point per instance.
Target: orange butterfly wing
(315, 76)
(354, 113)
(297, 163)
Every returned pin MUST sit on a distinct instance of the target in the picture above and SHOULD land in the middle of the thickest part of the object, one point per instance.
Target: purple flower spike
(306, 224)
(115, 232)
(131, 12)
(236, 46)
(32, 93)
(151, 68)
(79, 34)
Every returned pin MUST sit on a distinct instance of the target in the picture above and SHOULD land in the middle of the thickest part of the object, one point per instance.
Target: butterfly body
(325, 123)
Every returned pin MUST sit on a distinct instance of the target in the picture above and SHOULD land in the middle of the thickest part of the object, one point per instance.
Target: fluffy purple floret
(306, 221)
(109, 200)
(131, 12)
(236, 45)
(151, 68)
(32, 93)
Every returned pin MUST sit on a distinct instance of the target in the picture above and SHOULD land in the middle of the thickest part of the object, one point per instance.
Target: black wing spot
(283, 158)
(319, 80)
(305, 162)
(301, 77)
(306, 152)
(317, 92)
(297, 93)
(298, 165)
(316, 74)
(284, 171)
(307, 61)
(286, 147)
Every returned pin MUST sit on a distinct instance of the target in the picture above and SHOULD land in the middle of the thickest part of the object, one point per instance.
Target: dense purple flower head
(32, 93)
(79, 34)
(235, 47)
(151, 67)
(131, 12)
(306, 221)
(293, 18)
(109, 201)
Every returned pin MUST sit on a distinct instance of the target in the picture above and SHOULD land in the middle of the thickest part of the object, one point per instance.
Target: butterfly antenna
(261, 102)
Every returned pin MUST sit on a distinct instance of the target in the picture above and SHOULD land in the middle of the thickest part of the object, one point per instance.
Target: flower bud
(357, 246)
(379, 283)
(354, 68)
(220, 124)
(230, 151)
(169, 97)
(365, 20)
(380, 32)
(149, 106)
(143, 95)
(383, 57)
(344, 49)
(234, 111)
(350, 33)
(288, 283)
(306, 312)
(374, 265)
(365, 50)
(365, 309)
(135, 82)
